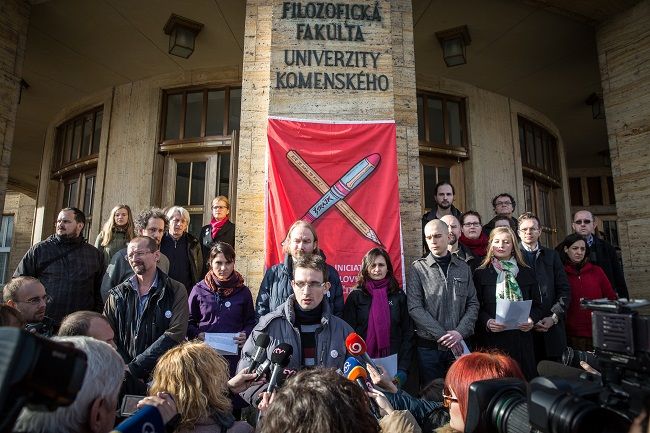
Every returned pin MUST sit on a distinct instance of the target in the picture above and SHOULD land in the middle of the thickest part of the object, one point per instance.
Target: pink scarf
(378, 335)
(216, 225)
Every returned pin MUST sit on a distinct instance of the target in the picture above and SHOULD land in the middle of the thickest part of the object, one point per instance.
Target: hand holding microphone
(261, 343)
(357, 348)
(355, 372)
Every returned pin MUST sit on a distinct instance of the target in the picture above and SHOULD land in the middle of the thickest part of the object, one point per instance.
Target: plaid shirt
(73, 281)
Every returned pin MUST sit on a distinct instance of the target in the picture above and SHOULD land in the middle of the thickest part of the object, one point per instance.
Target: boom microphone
(280, 358)
(357, 348)
(261, 342)
(355, 372)
(555, 369)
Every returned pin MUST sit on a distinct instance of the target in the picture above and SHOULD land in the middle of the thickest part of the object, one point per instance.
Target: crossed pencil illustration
(335, 195)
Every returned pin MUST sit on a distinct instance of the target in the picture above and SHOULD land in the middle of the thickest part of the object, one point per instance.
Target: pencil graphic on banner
(322, 186)
(344, 186)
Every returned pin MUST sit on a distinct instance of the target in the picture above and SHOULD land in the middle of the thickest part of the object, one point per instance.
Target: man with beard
(276, 287)
(70, 268)
(444, 198)
(148, 312)
(150, 222)
(454, 247)
(27, 295)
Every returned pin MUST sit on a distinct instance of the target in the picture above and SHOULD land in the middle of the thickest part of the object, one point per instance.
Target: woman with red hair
(466, 370)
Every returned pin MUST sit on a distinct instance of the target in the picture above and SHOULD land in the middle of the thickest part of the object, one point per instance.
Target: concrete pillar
(273, 26)
(14, 20)
(624, 57)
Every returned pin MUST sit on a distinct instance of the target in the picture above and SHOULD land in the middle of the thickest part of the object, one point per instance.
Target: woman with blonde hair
(503, 274)
(197, 377)
(116, 232)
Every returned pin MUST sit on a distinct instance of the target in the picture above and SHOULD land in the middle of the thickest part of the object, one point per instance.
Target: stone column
(14, 20)
(271, 87)
(624, 57)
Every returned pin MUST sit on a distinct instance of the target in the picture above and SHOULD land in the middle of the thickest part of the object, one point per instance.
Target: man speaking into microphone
(303, 321)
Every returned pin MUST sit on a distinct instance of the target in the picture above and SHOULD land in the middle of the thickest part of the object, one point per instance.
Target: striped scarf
(507, 286)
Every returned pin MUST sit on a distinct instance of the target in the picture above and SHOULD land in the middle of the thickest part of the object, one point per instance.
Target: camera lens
(571, 414)
(510, 413)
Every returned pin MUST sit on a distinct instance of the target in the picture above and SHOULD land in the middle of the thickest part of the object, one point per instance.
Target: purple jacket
(211, 313)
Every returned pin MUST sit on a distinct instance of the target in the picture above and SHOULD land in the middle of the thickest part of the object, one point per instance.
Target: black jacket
(517, 344)
(194, 255)
(556, 296)
(162, 326)
(465, 254)
(357, 310)
(226, 234)
(604, 255)
(71, 271)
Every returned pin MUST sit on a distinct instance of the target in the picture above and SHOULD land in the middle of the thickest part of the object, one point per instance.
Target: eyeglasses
(581, 222)
(219, 207)
(472, 225)
(137, 254)
(504, 203)
(47, 299)
(447, 400)
(308, 284)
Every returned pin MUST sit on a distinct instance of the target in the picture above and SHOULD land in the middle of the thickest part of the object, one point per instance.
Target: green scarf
(507, 286)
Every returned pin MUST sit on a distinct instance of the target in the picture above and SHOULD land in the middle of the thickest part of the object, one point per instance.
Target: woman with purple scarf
(377, 311)
(221, 302)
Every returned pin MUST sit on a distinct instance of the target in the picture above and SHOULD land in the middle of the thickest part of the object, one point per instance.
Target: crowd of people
(143, 301)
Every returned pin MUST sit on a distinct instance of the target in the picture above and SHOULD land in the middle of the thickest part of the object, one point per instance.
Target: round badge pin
(168, 314)
(334, 354)
(227, 304)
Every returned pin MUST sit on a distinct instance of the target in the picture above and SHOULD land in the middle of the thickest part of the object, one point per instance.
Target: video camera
(37, 372)
(607, 403)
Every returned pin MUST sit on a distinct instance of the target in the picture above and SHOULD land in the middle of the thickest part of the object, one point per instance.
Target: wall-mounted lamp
(453, 43)
(182, 35)
(597, 106)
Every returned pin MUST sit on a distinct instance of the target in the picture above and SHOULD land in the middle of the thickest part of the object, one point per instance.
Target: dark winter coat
(226, 234)
(516, 343)
(604, 255)
(357, 310)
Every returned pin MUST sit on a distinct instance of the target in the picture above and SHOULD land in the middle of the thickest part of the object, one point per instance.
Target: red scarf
(224, 288)
(217, 225)
(478, 246)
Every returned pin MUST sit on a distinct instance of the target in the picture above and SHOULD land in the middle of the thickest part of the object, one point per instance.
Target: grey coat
(439, 303)
(280, 326)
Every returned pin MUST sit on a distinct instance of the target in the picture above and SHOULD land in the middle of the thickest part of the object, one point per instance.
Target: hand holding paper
(512, 314)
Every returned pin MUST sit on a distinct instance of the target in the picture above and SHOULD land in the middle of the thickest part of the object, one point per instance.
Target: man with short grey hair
(182, 249)
(442, 302)
(93, 410)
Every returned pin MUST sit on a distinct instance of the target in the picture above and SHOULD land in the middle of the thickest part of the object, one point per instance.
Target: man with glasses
(27, 295)
(148, 312)
(442, 302)
(69, 267)
(550, 336)
(504, 206)
(601, 253)
(150, 222)
(304, 321)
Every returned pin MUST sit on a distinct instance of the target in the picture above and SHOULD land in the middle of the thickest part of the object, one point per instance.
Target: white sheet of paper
(222, 342)
(389, 363)
(512, 313)
(463, 350)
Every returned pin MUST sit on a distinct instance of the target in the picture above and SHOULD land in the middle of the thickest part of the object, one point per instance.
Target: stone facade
(14, 19)
(624, 56)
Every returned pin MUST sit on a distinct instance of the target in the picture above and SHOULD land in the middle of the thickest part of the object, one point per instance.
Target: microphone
(556, 369)
(284, 375)
(261, 343)
(357, 348)
(355, 372)
(263, 370)
(147, 417)
(280, 358)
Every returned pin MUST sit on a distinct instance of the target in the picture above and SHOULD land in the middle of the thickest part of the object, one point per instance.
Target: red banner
(341, 177)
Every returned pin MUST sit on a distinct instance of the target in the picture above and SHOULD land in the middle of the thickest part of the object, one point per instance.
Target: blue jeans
(433, 364)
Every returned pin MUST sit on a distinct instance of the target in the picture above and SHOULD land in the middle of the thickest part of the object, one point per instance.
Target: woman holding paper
(503, 275)
(377, 311)
(221, 303)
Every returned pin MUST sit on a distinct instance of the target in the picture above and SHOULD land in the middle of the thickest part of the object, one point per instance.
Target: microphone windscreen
(355, 344)
(262, 340)
(350, 363)
(556, 369)
(281, 354)
(148, 417)
(358, 373)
